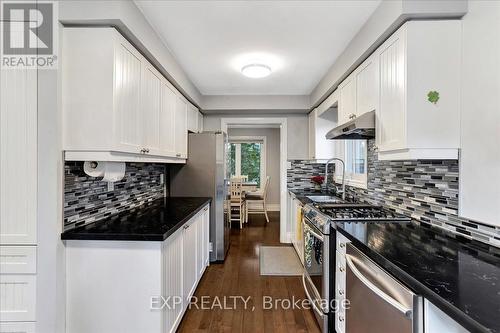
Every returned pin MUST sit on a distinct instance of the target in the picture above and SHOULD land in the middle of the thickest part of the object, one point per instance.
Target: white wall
(297, 135)
(272, 156)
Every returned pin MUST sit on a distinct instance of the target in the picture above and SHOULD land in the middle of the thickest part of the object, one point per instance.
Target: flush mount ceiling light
(256, 71)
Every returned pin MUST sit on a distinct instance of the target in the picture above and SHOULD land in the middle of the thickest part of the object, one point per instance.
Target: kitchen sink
(324, 199)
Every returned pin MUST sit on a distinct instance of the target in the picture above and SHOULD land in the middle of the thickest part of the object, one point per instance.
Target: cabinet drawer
(18, 259)
(24, 327)
(18, 297)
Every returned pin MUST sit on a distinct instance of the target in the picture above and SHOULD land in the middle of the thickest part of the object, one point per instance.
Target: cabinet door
(189, 254)
(17, 297)
(206, 238)
(172, 256)
(391, 115)
(200, 122)
(167, 120)
(367, 83)
(312, 134)
(181, 128)
(18, 152)
(200, 250)
(151, 108)
(192, 124)
(347, 100)
(128, 81)
(436, 321)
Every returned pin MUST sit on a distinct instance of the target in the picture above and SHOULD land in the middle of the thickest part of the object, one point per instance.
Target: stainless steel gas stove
(319, 249)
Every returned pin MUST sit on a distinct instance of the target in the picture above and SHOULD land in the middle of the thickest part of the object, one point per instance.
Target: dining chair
(238, 202)
(258, 199)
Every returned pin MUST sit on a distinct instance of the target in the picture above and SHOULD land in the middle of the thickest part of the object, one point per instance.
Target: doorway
(228, 124)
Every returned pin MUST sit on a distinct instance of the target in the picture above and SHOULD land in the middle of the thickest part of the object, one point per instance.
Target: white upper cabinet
(319, 124)
(127, 88)
(181, 127)
(200, 122)
(358, 93)
(192, 118)
(347, 100)
(366, 77)
(167, 119)
(116, 105)
(391, 120)
(151, 109)
(420, 58)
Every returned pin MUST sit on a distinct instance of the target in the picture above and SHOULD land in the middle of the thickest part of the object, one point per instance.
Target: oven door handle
(394, 303)
(315, 308)
(312, 232)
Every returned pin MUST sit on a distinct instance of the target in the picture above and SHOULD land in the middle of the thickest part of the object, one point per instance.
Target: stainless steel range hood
(362, 127)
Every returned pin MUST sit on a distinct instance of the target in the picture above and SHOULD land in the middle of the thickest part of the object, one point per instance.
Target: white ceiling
(300, 40)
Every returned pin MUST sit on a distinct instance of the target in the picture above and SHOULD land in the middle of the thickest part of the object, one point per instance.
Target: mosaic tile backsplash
(87, 199)
(426, 190)
(300, 172)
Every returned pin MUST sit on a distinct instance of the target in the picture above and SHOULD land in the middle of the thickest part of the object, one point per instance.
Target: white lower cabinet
(436, 321)
(134, 286)
(189, 258)
(172, 281)
(295, 216)
(17, 297)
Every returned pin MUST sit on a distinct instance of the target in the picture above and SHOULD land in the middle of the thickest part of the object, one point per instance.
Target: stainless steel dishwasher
(378, 302)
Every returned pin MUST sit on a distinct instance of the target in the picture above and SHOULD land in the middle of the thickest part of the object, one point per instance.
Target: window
(247, 157)
(353, 153)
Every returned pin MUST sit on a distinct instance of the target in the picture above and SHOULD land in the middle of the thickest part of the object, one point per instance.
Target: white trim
(110, 156)
(263, 154)
(351, 179)
(282, 122)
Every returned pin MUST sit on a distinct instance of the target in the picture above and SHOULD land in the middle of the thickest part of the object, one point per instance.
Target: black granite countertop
(154, 221)
(459, 276)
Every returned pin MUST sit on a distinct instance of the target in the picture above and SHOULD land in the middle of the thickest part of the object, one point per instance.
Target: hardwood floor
(240, 276)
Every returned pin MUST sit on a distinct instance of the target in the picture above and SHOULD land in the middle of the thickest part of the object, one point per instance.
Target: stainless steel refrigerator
(205, 175)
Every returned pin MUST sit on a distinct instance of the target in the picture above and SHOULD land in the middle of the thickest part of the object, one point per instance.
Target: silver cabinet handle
(206, 208)
(341, 318)
(400, 307)
(341, 292)
(186, 227)
(342, 269)
(178, 155)
(342, 245)
(314, 306)
(147, 150)
(143, 151)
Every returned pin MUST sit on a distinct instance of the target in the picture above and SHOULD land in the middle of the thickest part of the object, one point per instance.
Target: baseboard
(270, 207)
(273, 207)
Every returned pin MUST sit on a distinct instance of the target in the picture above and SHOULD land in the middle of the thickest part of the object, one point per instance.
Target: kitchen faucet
(343, 174)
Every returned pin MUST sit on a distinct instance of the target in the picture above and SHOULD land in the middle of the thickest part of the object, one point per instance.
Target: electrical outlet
(210, 247)
(111, 186)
